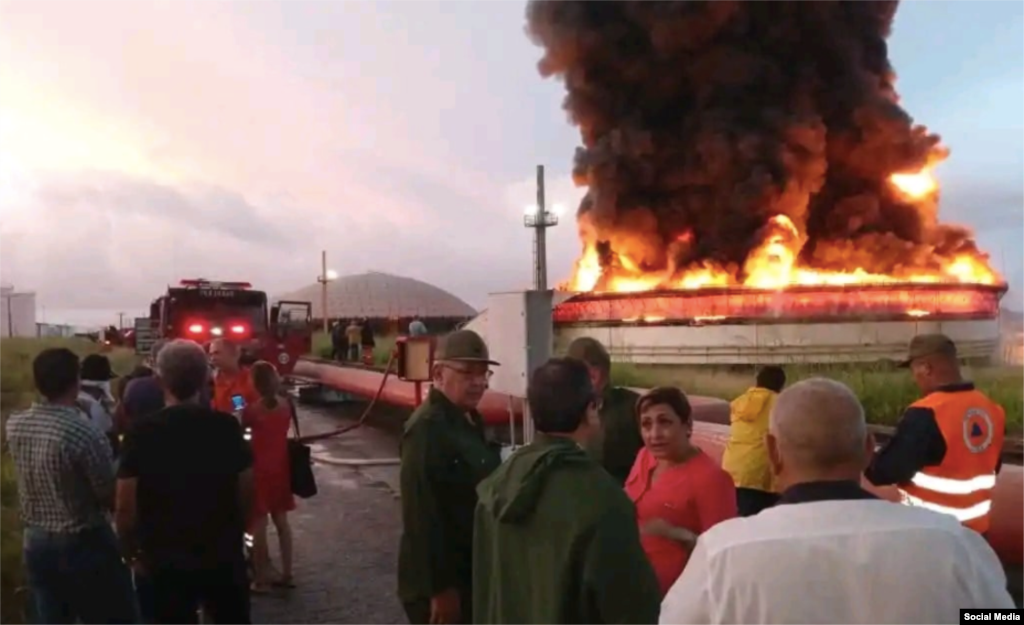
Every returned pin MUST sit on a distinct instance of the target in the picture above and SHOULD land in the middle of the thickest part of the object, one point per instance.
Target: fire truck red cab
(204, 310)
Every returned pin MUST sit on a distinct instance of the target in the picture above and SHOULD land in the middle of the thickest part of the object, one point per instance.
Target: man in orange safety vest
(946, 451)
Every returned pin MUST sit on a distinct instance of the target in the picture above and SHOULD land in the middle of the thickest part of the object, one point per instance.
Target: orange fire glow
(773, 263)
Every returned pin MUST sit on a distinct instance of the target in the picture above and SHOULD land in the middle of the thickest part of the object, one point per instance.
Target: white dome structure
(377, 295)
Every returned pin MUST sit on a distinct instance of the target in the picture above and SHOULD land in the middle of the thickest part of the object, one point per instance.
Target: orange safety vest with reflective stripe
(973, 427)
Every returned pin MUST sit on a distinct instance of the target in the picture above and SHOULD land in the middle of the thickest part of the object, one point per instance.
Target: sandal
(284, 582)
(259, 589)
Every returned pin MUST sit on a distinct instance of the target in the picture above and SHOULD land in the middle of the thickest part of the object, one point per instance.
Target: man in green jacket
(555, 537)
(444, 457)
(618, 442)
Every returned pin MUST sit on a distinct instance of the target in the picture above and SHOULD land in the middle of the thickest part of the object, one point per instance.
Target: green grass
(381, 352)
(884, 391)
(17, 392)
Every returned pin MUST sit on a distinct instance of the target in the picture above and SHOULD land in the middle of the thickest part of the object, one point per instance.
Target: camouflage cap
(929, 345)
(463, 345)
(590, 351)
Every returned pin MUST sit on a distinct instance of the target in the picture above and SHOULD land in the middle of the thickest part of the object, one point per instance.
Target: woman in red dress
(678, 490)
(269, 420)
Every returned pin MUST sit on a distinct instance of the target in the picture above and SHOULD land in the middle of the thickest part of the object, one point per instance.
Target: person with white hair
(830, 551)
(184, 491)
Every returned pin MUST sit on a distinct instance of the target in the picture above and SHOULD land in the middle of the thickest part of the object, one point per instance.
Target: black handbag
(301, 462)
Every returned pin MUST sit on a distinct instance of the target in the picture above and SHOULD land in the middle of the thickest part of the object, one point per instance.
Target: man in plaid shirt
(66, 489)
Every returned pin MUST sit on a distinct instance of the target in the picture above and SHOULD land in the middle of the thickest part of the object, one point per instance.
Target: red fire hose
(366, 412)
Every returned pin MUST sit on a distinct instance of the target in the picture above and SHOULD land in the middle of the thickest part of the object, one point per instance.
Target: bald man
(831, 552)
(231, 379)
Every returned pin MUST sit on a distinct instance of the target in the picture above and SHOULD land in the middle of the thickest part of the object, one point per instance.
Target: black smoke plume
(702, 120)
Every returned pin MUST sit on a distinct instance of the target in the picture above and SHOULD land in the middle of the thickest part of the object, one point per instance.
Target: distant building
(55, 330)
(17, 313)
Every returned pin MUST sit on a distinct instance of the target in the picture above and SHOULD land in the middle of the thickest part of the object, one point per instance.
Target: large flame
(773, 263)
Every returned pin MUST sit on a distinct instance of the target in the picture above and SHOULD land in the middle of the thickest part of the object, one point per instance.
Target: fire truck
(203, 310)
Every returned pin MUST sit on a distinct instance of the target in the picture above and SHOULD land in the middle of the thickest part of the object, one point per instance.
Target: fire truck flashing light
(236, 329)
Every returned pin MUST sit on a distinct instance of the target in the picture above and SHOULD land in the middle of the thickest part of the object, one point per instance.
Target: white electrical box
(519, 336)
(415, 355)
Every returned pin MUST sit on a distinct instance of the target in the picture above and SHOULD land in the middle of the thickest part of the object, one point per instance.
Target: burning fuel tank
(799, 324)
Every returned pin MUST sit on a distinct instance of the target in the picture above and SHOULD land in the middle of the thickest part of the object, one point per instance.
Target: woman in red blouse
(678, 490)
(269, 420)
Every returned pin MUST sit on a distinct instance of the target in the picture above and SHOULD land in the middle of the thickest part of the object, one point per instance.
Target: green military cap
(590, 351)
(929, 345)
(463, 345)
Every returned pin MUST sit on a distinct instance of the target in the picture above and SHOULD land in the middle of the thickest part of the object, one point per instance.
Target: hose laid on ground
(356, 462)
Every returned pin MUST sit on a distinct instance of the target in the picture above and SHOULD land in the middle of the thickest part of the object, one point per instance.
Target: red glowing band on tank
(954, 301)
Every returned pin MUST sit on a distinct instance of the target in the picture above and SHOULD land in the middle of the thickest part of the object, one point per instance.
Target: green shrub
(12, 576)
(884, 391)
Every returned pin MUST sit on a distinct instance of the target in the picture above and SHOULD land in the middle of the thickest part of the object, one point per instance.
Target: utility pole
(326, 275)
(539, 218)
(323, 287)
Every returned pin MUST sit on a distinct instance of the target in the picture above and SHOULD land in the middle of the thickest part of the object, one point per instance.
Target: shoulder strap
(295, 417)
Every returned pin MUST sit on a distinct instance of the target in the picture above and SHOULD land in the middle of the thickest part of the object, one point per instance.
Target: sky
(142, 142)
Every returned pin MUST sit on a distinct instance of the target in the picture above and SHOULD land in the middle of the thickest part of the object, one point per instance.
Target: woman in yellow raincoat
(746, 456)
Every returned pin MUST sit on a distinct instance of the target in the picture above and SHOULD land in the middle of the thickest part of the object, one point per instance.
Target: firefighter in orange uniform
(231, 378)
(946, 451)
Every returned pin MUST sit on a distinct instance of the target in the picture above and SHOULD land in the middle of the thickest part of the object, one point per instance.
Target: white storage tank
(17, 313)
(809, 325)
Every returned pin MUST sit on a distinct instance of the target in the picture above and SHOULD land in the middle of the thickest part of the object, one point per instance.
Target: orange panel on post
(415, 358)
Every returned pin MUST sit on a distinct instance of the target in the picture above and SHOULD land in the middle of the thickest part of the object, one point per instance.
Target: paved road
(346, 537)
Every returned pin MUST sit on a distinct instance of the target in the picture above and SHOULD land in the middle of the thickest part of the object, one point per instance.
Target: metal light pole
(540, 219)
(326, 275)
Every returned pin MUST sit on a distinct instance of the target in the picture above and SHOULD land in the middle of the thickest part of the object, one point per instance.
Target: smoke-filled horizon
(701, 121)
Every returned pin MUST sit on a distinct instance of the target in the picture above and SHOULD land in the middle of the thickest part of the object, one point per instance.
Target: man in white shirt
(831, 552)
(95, 398)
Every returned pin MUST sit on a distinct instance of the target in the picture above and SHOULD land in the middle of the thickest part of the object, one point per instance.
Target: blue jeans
(78, 577)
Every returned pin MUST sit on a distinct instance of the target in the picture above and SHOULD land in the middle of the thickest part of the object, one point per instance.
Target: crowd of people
(611, 514)
(353, 341)
(135, 501)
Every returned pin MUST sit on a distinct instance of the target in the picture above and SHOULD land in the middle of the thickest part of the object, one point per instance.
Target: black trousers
(750, 501)
(177, 595)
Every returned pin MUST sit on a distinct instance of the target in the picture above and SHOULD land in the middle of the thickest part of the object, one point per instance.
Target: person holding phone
(232, 383)
(237, 403)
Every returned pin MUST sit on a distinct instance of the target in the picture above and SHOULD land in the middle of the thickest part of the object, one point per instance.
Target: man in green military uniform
(444, 457)
(618, 442)
(555, 537)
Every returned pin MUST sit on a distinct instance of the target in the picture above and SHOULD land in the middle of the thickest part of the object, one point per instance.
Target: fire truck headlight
(216, 331)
